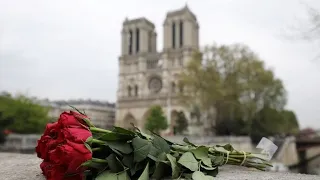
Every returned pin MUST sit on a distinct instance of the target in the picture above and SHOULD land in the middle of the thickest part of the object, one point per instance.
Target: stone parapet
(26, 167)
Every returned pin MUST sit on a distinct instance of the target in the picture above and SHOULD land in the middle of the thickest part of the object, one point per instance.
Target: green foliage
(21, 115)
(290, 123)
(236, 127)
(233, 81)
(269, 122)
(153, 157)
(156, 121)
(189, 161)
(181, 123)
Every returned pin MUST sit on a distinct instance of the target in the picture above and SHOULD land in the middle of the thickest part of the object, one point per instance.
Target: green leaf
(77, 110)
(114, 163)
(107, 175)
(144, 135)
(92, 164)
(127, 160)
(121, 146)
(198, 175)
(175, 154)
(154, 151)
(227, 147)
(207, 162)
(187, 160)
(88, 122)
(145, 173)
(186, 140)
(160, 144)
(123, 131)
(162, 156)
(137, 167)
(155, 159)
(117, 152)
(201, 152)
(174, 166)
(141, 148)
(162, 170)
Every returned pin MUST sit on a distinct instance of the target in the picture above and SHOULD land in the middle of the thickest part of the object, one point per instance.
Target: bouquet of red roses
(74, 149)
(62, 147)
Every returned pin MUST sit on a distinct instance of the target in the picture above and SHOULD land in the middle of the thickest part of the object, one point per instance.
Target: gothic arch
(128, 119)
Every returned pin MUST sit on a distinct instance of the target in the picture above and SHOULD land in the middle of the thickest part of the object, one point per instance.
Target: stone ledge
(26, 167)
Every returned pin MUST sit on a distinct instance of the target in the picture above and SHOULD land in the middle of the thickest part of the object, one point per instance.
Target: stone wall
(20, 143)
(26, 167)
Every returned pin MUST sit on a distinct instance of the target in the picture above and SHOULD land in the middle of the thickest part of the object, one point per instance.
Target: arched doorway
(128, 119)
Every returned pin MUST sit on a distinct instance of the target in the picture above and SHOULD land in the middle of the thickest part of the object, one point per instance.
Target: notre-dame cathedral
(148, 77)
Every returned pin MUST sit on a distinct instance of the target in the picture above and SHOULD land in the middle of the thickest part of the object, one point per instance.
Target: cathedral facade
(148, 77)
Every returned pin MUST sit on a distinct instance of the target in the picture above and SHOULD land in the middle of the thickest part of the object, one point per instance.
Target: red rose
(71, 155)
(76, 134)
(52, 129)
(62, 147)
(57, 172)
(49, 140)
(72, 119)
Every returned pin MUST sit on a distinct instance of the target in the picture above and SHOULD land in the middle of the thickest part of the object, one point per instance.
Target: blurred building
(102, 114)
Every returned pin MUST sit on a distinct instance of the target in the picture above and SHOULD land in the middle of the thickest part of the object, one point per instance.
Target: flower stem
(99, 130)
(97, 141)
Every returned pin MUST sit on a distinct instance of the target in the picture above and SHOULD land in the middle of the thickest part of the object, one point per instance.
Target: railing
(20, 142)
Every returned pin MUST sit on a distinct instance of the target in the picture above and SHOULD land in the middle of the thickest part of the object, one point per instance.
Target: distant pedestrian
(7, 132)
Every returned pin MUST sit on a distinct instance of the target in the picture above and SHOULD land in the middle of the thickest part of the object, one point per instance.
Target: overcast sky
(67, 49)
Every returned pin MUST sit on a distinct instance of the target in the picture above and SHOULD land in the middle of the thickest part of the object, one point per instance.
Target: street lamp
(160, 65)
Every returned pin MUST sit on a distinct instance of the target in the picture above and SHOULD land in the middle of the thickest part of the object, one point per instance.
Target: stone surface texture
(26, 167)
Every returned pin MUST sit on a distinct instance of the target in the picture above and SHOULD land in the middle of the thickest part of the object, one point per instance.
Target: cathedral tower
(180, 30)
(138, 36)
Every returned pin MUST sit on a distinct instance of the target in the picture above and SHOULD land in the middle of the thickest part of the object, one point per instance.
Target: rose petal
(79, 135)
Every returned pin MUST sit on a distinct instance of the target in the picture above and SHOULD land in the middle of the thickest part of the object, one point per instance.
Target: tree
(156, 121)
(290, 122)
(21, 115)
(270, 122)
(233, 80)
(181, 123)
(235, 127)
